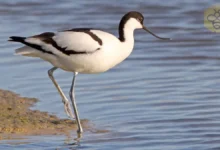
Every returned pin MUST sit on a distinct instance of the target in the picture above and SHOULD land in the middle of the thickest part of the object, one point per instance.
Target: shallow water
(164, 96)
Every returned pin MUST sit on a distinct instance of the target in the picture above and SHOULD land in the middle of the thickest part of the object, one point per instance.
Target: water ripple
(164, 96)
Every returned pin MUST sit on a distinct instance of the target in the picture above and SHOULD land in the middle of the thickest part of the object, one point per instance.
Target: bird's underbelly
(96, 62)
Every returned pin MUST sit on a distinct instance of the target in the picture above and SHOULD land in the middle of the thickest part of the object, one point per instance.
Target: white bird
(82, 50)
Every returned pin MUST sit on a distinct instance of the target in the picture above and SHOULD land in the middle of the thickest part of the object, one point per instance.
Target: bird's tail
(17, 39)
(25, 50)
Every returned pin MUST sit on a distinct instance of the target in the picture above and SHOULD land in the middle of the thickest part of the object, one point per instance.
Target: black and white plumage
(82, 50)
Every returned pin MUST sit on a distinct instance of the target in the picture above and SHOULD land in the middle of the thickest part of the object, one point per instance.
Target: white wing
(78, 41)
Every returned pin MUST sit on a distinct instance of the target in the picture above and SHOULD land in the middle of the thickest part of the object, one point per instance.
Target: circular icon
(212, 18)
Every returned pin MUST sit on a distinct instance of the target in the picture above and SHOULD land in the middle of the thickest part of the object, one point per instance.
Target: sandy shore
(16, 118)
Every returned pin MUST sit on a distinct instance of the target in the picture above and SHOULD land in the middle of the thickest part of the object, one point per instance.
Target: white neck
(128, 44)
(128, 37)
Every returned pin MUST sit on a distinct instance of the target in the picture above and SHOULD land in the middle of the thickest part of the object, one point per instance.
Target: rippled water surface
(165, 96)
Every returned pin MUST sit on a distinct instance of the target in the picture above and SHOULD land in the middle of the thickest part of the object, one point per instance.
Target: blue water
(165, 96)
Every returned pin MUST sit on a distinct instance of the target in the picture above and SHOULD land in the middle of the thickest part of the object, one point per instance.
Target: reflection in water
(76, 140)
(164, 96)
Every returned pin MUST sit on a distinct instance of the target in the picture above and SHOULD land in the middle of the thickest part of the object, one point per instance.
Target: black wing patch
(87, 31)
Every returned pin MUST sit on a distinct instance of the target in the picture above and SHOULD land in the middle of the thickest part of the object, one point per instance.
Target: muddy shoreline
(16, 118)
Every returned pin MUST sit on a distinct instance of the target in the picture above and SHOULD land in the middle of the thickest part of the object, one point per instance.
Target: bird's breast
(110, 53)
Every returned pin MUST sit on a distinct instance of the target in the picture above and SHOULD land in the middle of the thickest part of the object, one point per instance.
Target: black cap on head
(125, 18)
(132, 14)
(135, 15)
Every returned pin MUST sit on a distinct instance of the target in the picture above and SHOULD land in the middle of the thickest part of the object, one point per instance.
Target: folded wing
(70, 42)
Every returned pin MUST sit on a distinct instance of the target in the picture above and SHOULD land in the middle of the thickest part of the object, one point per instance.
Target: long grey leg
(64, 99)
(72, 97)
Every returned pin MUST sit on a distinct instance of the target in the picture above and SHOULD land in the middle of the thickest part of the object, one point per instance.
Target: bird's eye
(140, 20)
